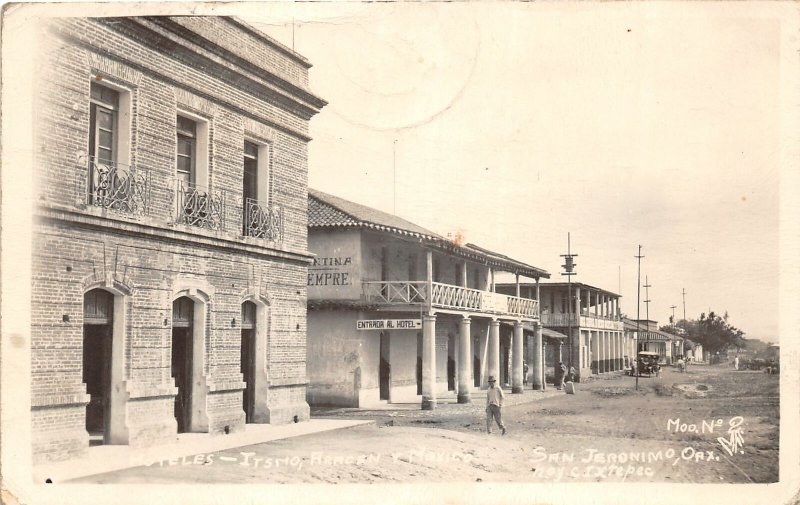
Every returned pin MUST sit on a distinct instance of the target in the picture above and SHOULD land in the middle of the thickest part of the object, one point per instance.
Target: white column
(516, 363)
(464, 361)
(493, 351)
(538, 357)
(428, 362)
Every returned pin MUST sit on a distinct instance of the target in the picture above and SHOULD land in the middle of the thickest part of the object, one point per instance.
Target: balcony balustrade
(447, 296)
(136, 191)
(118, 187)
(262, 220)
(198, 206)
(584, 320)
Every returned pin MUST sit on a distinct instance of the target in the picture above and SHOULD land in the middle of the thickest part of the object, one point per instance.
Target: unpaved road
(676, 428)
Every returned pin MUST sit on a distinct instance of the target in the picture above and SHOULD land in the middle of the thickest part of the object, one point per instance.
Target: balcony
(199, 206)
(584, 320)
(447, 296)
(262, 220)
(118, 187)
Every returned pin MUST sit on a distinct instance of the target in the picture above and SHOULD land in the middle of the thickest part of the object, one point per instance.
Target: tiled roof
(325, 210)
(648, 335)
(329, 211)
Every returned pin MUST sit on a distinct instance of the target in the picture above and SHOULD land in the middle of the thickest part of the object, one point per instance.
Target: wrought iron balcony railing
(198, 206)
(118, 187)
(262, 220)
(448, 296)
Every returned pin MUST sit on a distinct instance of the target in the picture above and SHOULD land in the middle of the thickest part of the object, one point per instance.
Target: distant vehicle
(648, 363)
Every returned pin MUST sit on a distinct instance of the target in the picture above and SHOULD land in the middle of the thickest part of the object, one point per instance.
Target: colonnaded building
(598, 343)
(397, 313)
(170, 252)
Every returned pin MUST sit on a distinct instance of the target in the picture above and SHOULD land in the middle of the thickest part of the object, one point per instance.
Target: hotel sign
(389, 324)
(494, 302)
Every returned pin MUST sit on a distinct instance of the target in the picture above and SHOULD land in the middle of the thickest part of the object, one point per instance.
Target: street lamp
(569, 266)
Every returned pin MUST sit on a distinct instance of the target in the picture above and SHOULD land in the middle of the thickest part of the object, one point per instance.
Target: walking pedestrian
(494, 404)
(561, 372)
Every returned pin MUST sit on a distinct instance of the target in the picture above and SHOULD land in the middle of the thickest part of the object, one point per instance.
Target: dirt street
(710, 424)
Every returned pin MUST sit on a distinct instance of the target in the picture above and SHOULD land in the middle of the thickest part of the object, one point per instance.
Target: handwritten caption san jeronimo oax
(591, 463)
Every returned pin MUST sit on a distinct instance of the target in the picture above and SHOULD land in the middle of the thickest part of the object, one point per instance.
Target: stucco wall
(335, 273)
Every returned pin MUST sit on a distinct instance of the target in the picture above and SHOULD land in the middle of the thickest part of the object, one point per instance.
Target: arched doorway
(103, 364)
(98, 318)
(182, 359)
(248, 359)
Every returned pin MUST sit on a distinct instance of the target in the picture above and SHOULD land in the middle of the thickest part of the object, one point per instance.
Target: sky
(622, 124)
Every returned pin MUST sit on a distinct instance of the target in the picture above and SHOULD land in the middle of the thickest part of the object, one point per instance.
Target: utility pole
(569, 266)
(394, 177)
(647, 287)
(673, 317)
(684, 307)
(638, 296)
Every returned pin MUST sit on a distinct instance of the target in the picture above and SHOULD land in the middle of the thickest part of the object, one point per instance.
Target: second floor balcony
(449, 297)
(587, 320)
(135, 192)
(118, 187)
(199, 206)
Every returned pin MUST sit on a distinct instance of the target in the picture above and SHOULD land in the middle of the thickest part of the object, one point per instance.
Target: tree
(715, 333)
(712, 331)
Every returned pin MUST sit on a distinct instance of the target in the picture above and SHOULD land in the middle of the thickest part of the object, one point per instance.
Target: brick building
(170, 247)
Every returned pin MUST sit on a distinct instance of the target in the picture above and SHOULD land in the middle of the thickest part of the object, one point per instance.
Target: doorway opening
(451, 363)
(476, 363)
(504, 360)
(248, 359)
(98, 310)
(182, 333)
(419, 363)
(384, 368)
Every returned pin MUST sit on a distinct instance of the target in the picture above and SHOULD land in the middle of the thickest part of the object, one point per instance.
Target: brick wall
(148, 260)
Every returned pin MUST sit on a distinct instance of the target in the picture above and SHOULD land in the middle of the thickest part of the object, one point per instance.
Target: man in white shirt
(494, 402)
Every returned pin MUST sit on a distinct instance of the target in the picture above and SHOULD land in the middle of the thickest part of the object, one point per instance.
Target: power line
(394, 177)
(638, 296)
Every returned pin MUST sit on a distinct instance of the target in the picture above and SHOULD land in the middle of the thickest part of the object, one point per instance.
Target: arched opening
(248, 359)
(103, 366)
(98, 318)
(254, 355)
(182, 323)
